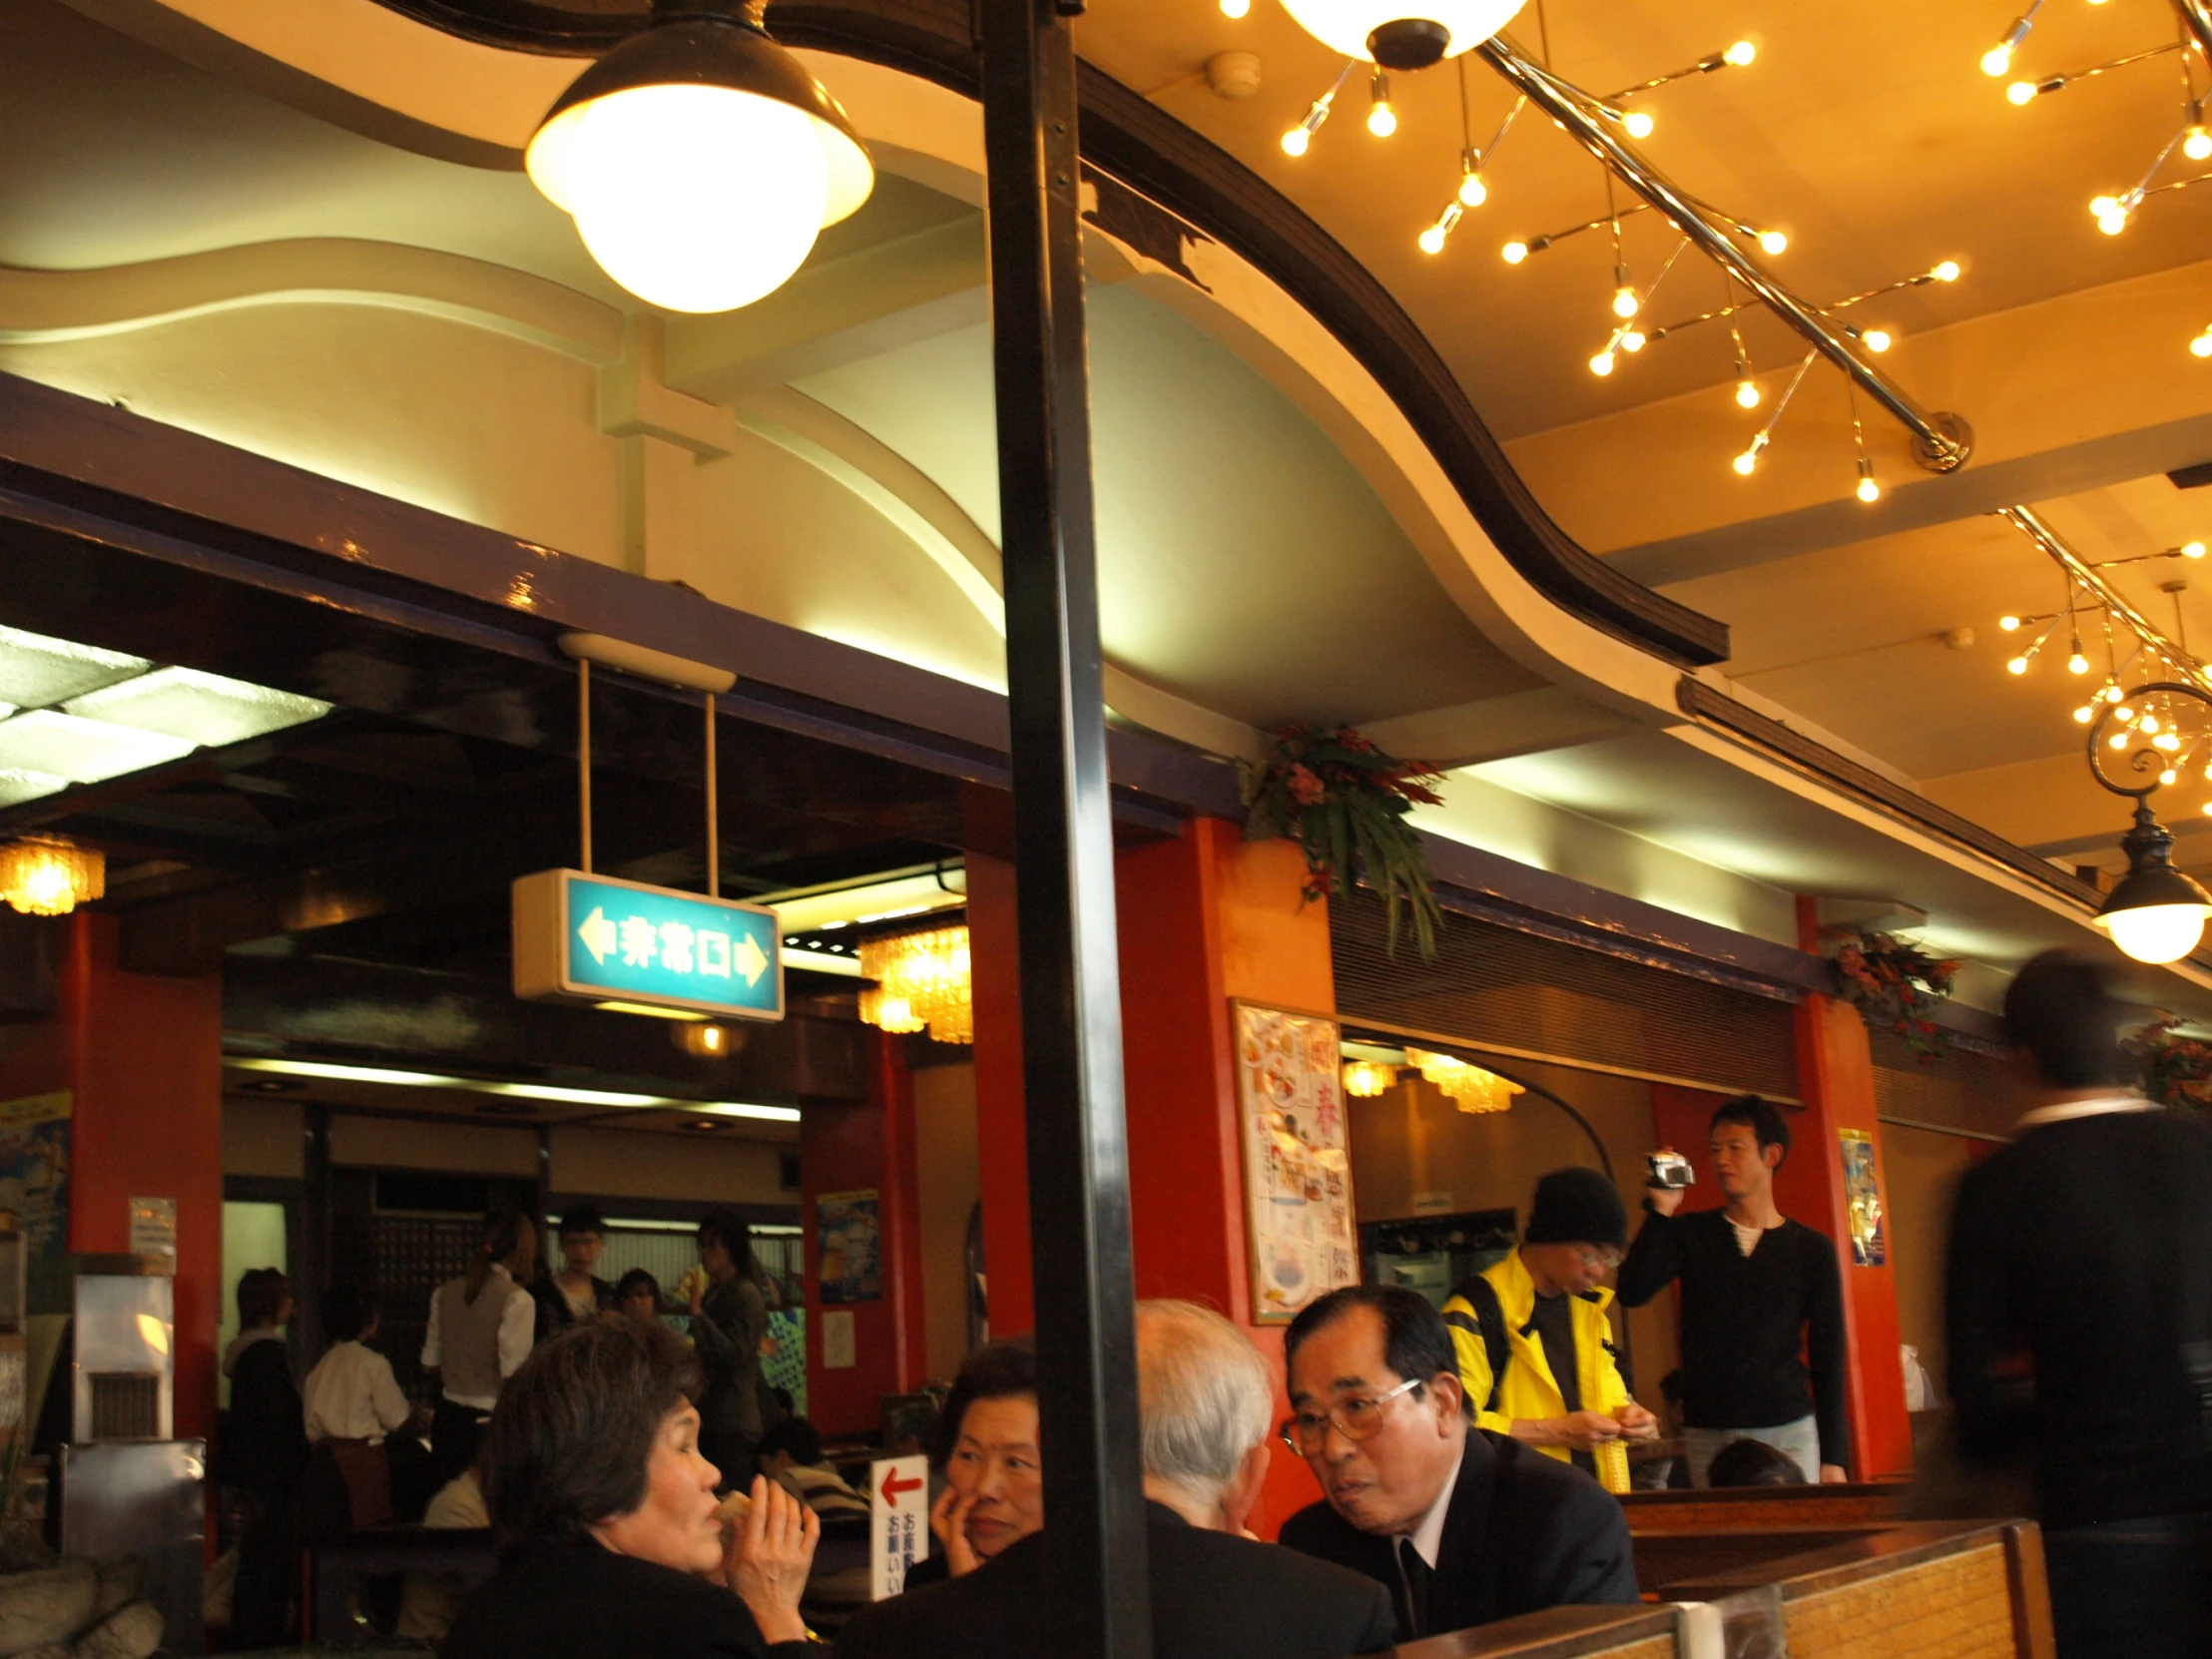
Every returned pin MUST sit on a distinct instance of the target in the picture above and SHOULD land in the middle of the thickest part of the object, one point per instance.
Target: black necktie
(1414, 1575)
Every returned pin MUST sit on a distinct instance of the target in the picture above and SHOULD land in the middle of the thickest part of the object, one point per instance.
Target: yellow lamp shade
(1387, 34)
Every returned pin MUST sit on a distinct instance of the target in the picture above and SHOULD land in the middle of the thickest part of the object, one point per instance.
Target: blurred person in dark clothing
(2079, 1306)
(1758, 1291)
(638, 1295)
(575, 1293)
(263, 1455)
(729, 1322)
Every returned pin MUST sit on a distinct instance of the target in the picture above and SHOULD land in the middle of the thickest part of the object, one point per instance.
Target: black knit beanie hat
(1577, 1206)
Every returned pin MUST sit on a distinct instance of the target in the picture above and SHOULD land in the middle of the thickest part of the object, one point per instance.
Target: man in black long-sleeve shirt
(2081, 1248)
(1755, 1287)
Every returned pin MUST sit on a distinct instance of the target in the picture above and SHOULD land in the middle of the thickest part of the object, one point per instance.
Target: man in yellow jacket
(1535, 1350)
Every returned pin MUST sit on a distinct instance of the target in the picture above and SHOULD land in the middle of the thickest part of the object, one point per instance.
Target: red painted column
(1836, 1081)
(141, 1056)
(859, 1148)
(1203, 918)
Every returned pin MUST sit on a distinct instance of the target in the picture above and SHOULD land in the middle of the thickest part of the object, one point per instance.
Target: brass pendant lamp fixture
(699, 159)
(2156, 914)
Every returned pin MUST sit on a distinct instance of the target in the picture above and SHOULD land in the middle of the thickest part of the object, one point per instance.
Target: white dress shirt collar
(1428, 1538)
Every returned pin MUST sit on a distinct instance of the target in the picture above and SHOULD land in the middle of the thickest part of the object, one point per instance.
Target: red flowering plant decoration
(2176, 1069)
(1345, 802)
(1895, 983)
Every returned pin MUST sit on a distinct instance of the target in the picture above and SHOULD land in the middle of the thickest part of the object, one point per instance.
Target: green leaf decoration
(1345, 802)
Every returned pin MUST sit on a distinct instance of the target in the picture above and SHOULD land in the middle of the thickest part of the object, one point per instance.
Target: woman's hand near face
(769, 1558)
(948, 1518)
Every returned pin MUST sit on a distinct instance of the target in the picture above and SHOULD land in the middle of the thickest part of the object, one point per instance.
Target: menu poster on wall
(1863, 1192)
(1297, 1160)
(851, 1263)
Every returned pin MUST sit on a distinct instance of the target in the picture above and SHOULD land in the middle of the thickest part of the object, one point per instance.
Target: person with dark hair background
(603, 1513)
(729, 1323)
(1756, 1287)
(986, 1451)
(351, 1394)
(1752, 1463)
(262, 1457)
(481, 1328)
(575, 1293)
(638, 1295)
(1463, 1525)
(2086, 1244)
(790, 1454)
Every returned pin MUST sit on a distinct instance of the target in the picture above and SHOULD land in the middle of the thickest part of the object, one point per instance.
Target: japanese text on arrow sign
(899, 1523)
(623, 942)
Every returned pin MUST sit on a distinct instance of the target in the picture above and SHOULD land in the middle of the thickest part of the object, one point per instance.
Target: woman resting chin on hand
(603, 1511)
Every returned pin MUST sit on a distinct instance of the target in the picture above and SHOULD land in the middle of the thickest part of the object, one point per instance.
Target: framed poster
(850, 1258)
(1297, 1159)
(1863, 1193)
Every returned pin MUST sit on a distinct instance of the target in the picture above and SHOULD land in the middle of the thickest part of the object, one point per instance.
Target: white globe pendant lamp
(1383, 34)
(699, 159)
(2155, 913)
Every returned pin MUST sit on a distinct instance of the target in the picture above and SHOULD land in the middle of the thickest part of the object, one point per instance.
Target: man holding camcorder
(1755, 1287)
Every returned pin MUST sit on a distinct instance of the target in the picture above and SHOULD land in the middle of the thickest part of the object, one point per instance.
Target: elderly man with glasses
(1535, 1350)
(1462, 1525)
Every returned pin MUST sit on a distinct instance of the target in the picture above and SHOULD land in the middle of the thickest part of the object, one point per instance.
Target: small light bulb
(1472, 190)
(2198, 145)
(2119, 740)
(2208, 804)
(2192, 550)
(1632, 339)
(2125, 713)
(2168, 777)
(2150, 723)
(2167, 741)
(1947, 271)
(1877, 339)
(2011, 624)
(1235, 8)
(2113, 694)
(2078, 664)
(1638, 123)
(1625, 302)
(1383, 120)
(2100, 206)
(1744, 464)
(2085, 714)
(1516, 252)
(2201, 346)
(2020, 91)
(1868, 490)
(1997, 60)
(1433, 239)
(1747, 394)
(1740, 54)
(2018, 665)
(2112, 224)
(1773, 241)
(1296, 141)
(1603, 364)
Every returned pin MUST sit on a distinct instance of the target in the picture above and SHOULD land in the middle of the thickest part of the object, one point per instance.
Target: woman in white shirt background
(481, 1328)
(351, 1394)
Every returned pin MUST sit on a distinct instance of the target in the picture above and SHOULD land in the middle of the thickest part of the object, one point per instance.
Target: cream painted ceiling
(1870, 135)
(1233, 537)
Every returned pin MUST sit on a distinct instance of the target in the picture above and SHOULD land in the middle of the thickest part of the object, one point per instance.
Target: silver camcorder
(1671, 1169)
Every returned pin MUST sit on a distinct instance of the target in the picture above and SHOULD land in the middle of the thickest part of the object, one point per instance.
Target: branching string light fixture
(2193, 139)
(1605, 125)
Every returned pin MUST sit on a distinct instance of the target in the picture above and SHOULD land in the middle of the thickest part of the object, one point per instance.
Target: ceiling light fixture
(1377, 30)
(1999, 58)
(921, 980)
(1467, 1086)
(1366, 1079)
(2155, 913)
(1300, 139)
(699, 159)
(48, 876)
(1382, 118)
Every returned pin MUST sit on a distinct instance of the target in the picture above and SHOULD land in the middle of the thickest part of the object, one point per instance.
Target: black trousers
(269, 1570)
(2132, 1589)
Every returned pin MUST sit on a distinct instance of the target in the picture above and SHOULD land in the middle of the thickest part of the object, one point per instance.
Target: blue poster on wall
(850, 1262)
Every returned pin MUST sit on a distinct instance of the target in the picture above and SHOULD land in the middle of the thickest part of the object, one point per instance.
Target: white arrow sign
(746, 958)
(599, 935)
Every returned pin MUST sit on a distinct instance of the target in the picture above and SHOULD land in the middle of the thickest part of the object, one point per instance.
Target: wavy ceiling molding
(463, 73)
(44, 306)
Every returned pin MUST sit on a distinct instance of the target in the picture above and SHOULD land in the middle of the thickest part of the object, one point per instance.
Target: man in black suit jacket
(1205, 1397)
(1463, 1526)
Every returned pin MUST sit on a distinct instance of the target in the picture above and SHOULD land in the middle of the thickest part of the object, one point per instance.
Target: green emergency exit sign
(595, 938)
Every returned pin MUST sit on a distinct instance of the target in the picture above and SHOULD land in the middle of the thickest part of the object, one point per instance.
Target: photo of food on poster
(1296, 1156)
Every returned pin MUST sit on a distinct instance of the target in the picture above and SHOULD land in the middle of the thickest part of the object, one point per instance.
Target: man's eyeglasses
(1356, 1420)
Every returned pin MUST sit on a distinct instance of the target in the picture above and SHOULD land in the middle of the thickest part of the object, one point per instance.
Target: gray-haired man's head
(1205, 1398)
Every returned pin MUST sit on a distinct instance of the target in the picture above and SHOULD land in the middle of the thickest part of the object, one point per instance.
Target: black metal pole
(1064, 851)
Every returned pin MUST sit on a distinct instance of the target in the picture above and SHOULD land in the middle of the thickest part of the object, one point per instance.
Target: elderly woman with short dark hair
(604, 1514)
